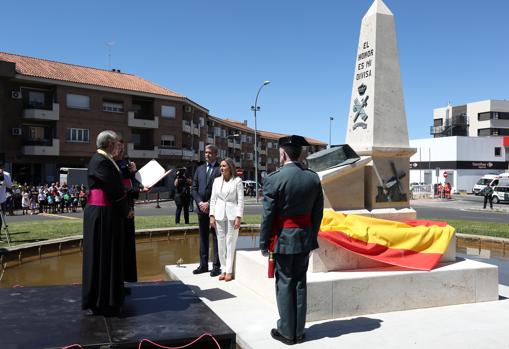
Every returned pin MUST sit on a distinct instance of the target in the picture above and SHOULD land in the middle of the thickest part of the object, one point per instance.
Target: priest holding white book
(226, 210)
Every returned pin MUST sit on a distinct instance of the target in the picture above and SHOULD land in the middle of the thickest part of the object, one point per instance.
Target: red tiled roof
(42, 68)
(265, 134)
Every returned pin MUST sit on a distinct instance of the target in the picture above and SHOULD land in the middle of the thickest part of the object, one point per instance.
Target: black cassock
(132, 187)
(103, 238)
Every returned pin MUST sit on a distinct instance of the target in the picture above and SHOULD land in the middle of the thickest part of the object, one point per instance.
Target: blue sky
(218, 53)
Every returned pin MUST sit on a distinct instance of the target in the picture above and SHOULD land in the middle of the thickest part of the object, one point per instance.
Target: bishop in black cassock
(103, 231)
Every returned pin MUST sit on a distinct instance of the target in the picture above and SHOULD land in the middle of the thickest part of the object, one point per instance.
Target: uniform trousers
(226, 244)
(291, 293)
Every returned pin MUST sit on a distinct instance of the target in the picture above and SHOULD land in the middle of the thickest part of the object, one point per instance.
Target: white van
(501, 179)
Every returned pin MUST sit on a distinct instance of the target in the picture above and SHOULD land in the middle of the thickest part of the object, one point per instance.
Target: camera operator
(182, 195)
(5, 182)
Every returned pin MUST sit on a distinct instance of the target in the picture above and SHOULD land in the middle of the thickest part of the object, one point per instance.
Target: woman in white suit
(226, 210)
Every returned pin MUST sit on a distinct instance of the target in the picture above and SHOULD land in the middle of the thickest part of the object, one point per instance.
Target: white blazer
(227, 200)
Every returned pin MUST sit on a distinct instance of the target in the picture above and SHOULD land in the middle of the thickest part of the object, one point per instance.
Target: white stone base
(377, 290)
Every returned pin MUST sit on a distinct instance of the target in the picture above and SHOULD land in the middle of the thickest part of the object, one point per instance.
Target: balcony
(170, 152)
(188, 154)
(230, 143)
(133, 121)
(43, 114)
(237, 145)
(210, 139)
(186, 127)
(262, 151)
(456, 126)
(237, 163)
(196, 131)
(262, 167)
(49, 147)
(140, 152)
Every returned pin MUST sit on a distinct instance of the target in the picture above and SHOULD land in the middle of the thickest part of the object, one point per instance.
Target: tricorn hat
(293, 140)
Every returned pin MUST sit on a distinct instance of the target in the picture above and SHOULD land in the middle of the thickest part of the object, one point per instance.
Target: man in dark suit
(201, 191)
(292, 213)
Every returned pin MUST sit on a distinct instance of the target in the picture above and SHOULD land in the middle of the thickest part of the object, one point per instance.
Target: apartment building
(51, 113)
(477, 119)
(236, 140)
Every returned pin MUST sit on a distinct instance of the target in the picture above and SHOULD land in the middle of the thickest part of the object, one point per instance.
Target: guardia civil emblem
(359, 108)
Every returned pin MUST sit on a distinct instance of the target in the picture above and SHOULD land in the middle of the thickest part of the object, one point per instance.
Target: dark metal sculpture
(333, 157)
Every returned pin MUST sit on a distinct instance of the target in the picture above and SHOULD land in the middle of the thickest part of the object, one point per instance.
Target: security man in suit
(201, 191)
(292, 213)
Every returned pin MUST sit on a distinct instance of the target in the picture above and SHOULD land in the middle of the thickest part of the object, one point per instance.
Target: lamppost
(255, 108)
(330, 131)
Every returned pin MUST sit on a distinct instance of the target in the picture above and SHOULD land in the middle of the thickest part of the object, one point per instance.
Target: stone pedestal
(378, 289)
(343, 187)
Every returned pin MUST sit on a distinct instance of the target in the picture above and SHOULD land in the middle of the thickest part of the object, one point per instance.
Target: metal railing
(422, 191)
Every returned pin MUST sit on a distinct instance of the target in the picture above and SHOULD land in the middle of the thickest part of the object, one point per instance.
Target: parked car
(500, 193)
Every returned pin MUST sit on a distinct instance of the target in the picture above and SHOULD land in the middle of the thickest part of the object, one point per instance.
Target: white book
(151, 173)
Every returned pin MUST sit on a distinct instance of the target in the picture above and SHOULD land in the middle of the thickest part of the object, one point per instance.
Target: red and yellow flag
(416, 244)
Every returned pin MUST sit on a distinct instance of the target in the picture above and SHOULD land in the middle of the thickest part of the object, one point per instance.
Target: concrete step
(377, 290)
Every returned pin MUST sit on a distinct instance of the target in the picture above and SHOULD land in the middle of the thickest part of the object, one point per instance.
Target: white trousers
(226, 244)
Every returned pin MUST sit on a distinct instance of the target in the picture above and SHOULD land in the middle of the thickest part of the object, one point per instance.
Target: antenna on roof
(110, 45)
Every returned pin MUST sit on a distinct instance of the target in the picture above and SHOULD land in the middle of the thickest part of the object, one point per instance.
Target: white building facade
(478, 119)
(464, 159)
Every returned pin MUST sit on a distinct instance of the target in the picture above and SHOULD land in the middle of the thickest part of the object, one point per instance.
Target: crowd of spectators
(48, 198)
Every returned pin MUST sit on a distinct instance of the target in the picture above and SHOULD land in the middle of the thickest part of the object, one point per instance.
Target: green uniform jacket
(292, 191)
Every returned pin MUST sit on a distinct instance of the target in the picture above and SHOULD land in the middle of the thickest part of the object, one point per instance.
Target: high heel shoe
(222, 276)
(228, 277)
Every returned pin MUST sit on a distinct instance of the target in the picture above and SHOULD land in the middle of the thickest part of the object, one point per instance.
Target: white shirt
(7, 183)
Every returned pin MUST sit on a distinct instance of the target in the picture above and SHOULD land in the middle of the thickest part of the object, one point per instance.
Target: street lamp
(330, 131)
(255, 108)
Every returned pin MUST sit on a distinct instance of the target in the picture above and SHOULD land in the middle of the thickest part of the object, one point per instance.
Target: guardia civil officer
(292, 213)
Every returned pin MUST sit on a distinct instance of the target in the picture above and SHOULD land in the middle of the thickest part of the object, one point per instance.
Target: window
(503, 116)
(78, 101)
(249, 139)
(243, 138)
(78, 135)
(438, 122)
(113, 107)
(498, 151)
(484, 116)
(484, 132)
(167, 141)
(167, 111)
(35, 99)
(202, 122)
(136, 138)
(36, 133)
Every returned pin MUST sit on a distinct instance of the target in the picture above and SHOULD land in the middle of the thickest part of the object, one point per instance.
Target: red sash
(97, 197)
(302, 221)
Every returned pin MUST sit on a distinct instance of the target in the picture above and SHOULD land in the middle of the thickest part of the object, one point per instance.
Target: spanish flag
(416, 244)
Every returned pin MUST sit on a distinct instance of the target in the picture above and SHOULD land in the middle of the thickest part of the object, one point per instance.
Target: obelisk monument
(377, 125)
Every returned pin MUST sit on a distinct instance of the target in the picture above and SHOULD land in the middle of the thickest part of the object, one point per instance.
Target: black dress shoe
(300, 339)
(200, 270)
(215, 272)
(279, 337)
